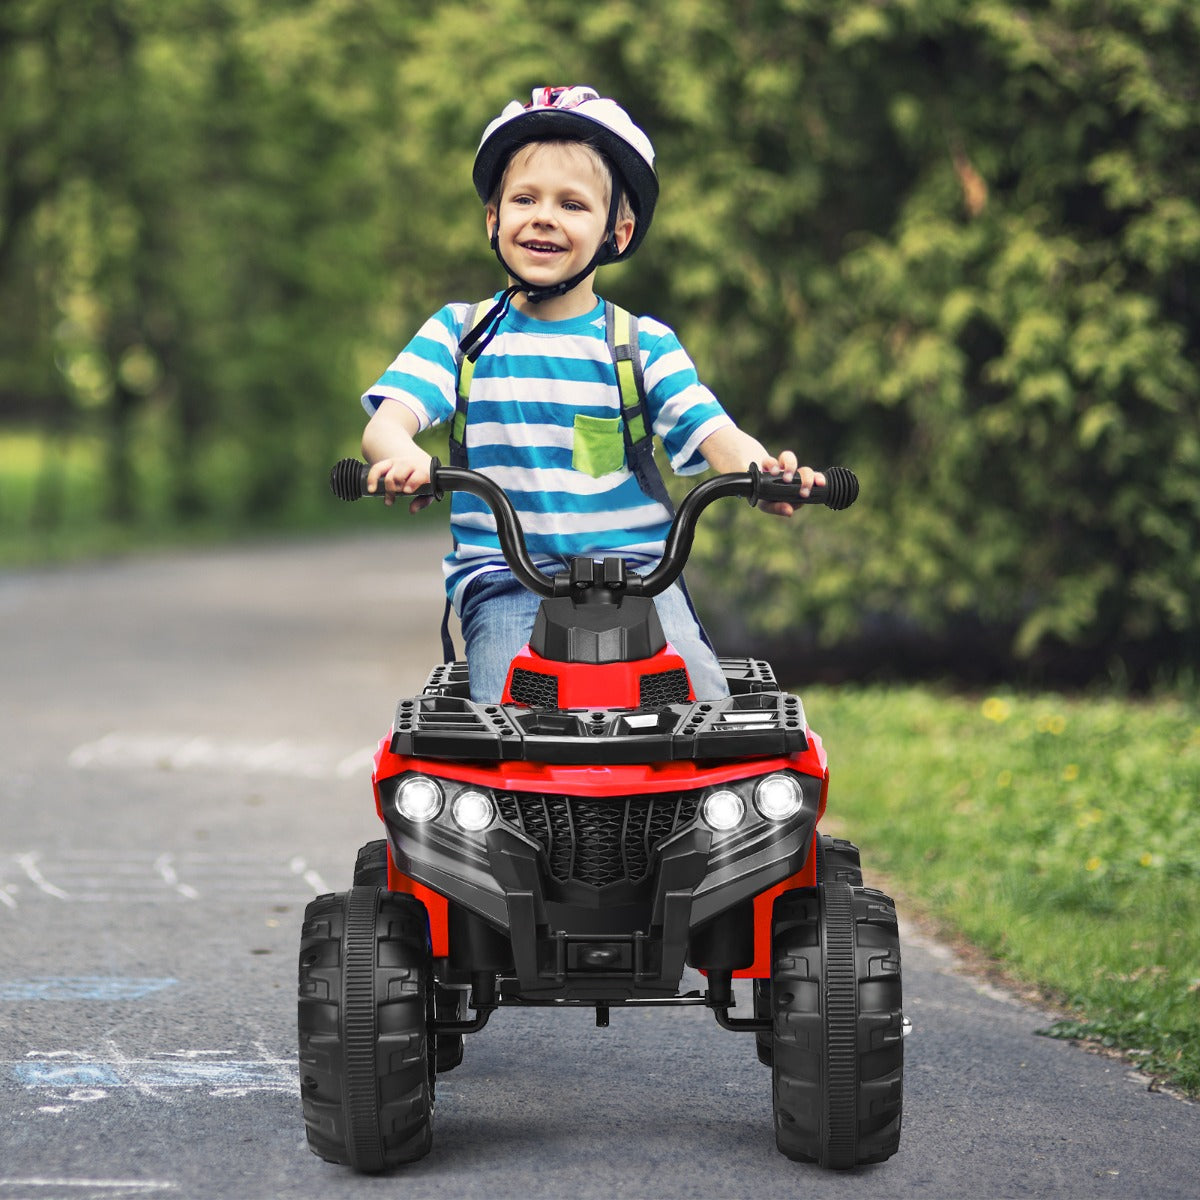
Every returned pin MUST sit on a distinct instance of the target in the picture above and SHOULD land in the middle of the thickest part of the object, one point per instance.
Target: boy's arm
(732, 449)
(398, 464)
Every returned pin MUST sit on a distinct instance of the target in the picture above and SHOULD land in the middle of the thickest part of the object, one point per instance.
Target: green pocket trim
(599, 447)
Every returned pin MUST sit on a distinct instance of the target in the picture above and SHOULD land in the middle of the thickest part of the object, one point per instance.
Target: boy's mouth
(542, 247)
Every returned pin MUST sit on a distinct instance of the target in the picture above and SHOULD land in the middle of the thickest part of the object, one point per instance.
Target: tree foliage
(952, 243)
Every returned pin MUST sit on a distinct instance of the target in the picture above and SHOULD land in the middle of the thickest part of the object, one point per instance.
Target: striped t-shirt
(543, 420)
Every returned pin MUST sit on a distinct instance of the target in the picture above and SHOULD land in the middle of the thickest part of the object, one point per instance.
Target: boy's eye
(568, 205)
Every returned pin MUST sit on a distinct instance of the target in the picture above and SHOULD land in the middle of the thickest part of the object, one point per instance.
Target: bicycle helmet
(576, 114)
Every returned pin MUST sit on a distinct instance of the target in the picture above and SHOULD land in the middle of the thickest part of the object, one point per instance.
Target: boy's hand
(401, 475)
(787, 466)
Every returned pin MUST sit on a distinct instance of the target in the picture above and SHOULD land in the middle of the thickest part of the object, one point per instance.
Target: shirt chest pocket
(599, 445)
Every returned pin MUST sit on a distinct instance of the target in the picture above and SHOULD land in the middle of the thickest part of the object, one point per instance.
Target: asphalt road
(185, 744)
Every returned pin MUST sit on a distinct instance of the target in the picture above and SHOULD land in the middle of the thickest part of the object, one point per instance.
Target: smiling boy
(568, 184)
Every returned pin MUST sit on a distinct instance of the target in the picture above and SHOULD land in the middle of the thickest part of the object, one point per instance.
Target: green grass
(1059, 836)
(53, 504)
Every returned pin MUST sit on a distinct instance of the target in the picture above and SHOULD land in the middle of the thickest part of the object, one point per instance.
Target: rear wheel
(838, 1058)
(763, 1042)
(371, 865)
(450, 1004)
(366, 1067)
(838, 859)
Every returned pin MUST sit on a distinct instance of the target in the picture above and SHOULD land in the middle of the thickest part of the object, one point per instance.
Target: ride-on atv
(577, 844)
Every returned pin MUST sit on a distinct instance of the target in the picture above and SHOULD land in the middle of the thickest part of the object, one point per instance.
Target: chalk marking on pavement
(156, 1074)
(150, 877)
(111, 1185)
(300, 867)
(165, 866)
(357, 763)
(108, 988)
(28, 864)
(187, 752)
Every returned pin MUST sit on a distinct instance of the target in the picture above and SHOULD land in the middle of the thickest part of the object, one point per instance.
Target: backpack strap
(621, 333)
(464, 369)
(464, 372)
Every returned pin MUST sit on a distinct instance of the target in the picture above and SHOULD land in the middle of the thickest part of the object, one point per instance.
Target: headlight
(419, 799)
(472, 811)
(723, 810)
(778, 797)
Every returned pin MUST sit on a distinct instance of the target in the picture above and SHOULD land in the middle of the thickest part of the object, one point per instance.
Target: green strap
(466, 372)
(622, 343)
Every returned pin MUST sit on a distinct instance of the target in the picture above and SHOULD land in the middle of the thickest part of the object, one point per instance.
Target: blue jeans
(497, 619)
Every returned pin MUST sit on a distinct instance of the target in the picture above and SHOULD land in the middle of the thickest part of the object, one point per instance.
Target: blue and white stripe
(530, 383)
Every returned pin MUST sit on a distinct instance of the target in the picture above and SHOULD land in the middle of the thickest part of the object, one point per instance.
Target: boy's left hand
(788, 466)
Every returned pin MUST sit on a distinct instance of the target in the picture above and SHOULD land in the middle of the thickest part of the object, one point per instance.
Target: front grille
(667, 687)
(534, 688)
(599, 841)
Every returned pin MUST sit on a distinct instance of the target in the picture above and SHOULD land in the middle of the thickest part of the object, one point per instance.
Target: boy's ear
(491, 223)
(622, 232)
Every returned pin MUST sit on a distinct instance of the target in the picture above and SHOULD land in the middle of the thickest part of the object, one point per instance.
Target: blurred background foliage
(954, 244)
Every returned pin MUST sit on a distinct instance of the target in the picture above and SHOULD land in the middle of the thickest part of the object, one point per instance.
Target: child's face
(552, 212)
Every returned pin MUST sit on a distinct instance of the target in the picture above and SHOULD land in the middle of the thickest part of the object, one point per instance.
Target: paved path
(185, 743)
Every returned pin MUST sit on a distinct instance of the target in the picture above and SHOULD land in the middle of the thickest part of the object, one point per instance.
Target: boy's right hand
(401, 476)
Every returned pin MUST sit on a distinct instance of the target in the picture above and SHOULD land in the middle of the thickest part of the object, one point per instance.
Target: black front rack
(757, 721)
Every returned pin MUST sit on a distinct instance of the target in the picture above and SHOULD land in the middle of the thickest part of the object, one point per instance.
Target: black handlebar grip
(839, 490)
(841, 487)
(348, 481)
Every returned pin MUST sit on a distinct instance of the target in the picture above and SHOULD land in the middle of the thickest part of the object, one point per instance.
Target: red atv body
(579, 844)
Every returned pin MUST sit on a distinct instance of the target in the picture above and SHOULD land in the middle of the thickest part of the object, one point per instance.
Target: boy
(568, 184)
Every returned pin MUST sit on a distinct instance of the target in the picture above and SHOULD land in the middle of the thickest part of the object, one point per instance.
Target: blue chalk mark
(76, 1075)
(110, 988)
(268, 1075)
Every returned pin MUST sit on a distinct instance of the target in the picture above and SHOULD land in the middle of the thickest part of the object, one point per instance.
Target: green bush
(952, 244)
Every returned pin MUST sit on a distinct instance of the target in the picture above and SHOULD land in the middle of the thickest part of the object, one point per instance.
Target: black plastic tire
(838, 859)
(365, 1054)
(764, 1043)
(450, 1004)
(838, 1049)
(371, 866)
(371, 870)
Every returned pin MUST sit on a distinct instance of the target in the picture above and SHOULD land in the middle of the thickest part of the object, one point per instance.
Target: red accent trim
(623, 779)
(760, 968)
(596, 685)
(438, 907)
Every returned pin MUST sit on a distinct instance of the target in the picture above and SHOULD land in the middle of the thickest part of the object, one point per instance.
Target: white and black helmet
(574, 114)
(577, 114)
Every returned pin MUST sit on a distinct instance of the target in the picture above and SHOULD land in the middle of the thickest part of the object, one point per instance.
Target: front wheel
(365, 988)
(837, 1035)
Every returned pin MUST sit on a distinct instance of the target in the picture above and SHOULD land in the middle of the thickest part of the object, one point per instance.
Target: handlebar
(348, 481)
